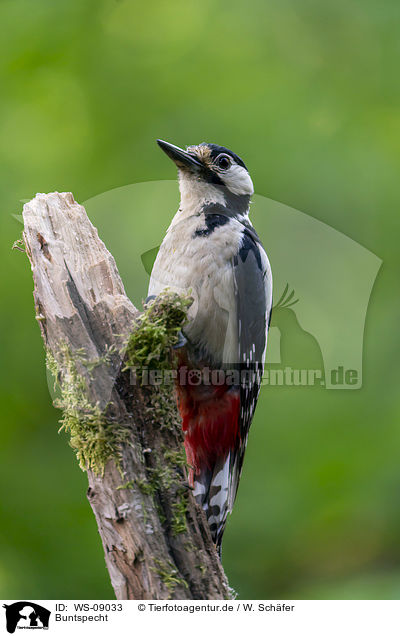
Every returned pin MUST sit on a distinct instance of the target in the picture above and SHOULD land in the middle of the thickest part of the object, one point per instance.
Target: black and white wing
(253, 290)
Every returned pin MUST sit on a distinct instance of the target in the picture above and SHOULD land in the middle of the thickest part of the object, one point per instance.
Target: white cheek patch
(237, 180)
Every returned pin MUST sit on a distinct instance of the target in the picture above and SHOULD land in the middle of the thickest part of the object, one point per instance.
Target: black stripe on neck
(212, 221)
(234, 207)
(239, 203)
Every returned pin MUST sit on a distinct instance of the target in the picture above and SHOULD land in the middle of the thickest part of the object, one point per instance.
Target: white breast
(202, 266)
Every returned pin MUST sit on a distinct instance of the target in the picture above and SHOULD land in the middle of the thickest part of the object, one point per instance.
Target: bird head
(208, 172)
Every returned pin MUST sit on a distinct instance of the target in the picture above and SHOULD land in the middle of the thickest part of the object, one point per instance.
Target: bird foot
(182, 341)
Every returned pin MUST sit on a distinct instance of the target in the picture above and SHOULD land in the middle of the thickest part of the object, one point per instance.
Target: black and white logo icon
(26, 615)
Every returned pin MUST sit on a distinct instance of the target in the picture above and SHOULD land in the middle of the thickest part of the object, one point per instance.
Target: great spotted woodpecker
(212, 251)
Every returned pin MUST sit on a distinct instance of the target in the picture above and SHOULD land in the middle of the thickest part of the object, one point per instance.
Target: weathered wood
(156, 540)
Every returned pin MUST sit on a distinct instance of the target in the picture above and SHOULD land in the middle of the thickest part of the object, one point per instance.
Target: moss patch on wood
(156, 332)
(179, 510)
(93, 437)
(168, 574)
(150, 347)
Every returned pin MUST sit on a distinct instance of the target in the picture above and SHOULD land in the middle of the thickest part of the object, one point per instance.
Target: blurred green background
(308, 94)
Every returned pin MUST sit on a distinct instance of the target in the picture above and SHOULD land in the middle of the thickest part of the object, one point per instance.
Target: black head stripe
(217, 150)
(211, 177)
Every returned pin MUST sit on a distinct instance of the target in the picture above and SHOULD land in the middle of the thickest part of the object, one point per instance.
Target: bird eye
(223, 162)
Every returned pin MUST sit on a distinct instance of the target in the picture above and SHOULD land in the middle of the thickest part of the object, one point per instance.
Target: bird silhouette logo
(299, 349)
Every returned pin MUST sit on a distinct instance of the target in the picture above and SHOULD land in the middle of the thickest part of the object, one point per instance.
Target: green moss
(168, 574)
(166, 475)
(156, 332)
(127, 485)
(163, 408)
(105, 359)
(179, 509)
(176, 458)
(94, 439)
(146, 487)
(202, 569)
(149, 347)
(160, 513)
(162, 477)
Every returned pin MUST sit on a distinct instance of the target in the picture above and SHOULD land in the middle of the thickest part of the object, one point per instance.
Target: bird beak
(182, 158)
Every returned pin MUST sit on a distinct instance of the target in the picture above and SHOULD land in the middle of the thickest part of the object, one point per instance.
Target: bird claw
(182, 341)
(148, 299)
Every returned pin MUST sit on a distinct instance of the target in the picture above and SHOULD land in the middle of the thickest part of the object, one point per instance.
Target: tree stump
(127, 437)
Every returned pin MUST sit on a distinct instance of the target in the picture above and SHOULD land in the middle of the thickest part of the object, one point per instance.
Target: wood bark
(82, 308)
